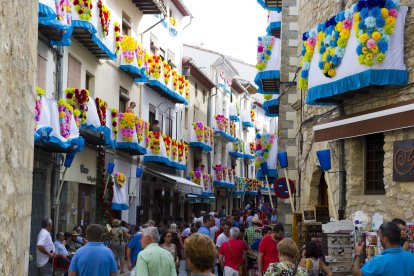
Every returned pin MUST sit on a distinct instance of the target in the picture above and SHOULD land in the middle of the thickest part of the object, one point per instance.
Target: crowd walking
(240, 245)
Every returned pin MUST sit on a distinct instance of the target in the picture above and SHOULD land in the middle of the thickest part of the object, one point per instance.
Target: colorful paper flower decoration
(374, 24)
(155, 66)
(104, 17)
(65, 114)
(129, 46)
(141, 127)
(120, 179)
(264, 144)
(206, 180)
(154, 141)
(264, 51)
(140, 54)
(206, 134)
(218, 169)
(199, 130)
(63, 9)
(101, 107)
(252, 115)
(118, 37)
(181, 84)
(196, 177)
(233, 129)
(251, 147)
(222, 122)
(127, 126)
(173, 22)
(212, 136)
(38, 107)
(167, 142)
(167, 72)
(181, 148)
(84, 9)
(187, 88)
(174, 149)
(114, 114)
(78, 99)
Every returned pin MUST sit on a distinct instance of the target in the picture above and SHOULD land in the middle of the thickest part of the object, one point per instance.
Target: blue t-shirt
(93, 259)
(255, 245)
(392, 261)
(135, 246)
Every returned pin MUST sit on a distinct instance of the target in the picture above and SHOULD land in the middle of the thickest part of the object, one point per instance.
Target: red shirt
(268, 246)
(237, 249)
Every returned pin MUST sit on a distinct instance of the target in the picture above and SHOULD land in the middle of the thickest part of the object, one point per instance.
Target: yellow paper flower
(390, 21)
(376, 35)
(332, 73)
(364, 50)
(375, 49)
(369, 56)
(384, 12)
(357, 17)
(363, 38)
(344, 33)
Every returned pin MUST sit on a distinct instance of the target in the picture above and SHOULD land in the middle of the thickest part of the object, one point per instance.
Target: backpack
(117, 234)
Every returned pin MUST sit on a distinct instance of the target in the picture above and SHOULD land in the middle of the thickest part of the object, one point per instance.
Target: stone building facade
(17, 58)
(397, 200)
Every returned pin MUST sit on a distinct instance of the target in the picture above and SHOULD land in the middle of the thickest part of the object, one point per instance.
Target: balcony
(248, 119)
(271, 5)
(240, 186)
(201, 136)
(223, 177)
(95, 34)
(162, 149)
(55, 28)
(274, 24)
(222, 128)
(271, 108)
(249, 151)
(151, 6)
(131, 133)
(268, 65)
(252, 186)
(55, 126)
(132, 58)
(204, 180)
(167, 82)
(236, 149)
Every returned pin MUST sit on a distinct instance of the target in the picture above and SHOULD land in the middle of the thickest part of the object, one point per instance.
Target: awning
(388, 118)
(183, 185)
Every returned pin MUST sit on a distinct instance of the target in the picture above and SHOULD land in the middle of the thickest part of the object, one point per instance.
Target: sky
(230, 27)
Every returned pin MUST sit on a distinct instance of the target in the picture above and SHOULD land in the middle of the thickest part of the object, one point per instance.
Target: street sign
(281, 189)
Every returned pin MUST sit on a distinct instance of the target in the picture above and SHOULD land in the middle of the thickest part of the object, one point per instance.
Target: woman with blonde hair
(200, 253)
(287, 266)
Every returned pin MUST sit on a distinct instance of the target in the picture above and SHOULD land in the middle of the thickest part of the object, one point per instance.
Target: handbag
(242, 269)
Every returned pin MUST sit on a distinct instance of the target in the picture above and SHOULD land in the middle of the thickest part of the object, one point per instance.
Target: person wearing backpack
(118, 238)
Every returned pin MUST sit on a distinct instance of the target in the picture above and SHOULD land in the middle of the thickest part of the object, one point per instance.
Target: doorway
(84, 204)
(323, 191)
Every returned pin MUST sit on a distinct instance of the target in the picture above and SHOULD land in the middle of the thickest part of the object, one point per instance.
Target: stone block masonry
(18, 40)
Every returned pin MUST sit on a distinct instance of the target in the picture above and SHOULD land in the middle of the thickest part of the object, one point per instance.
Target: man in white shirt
(249, 219)
(45, 249)
(200, 219)
(222, 238)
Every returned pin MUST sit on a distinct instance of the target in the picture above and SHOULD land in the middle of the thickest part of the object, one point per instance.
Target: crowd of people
(211, 244)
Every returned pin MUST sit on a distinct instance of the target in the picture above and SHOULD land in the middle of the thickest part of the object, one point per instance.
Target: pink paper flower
(371, 43)
(312, 41)
(393, 13)
(347, 24)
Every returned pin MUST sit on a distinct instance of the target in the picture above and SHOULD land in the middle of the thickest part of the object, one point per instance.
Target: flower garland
(233, 129)
(118, 37)
(181, 151)
(252, 115)
(155, 66)
(263, 145)
(167, 142)
(78, 99)
(308, 48)
(127, 125)
(241, 146)
(174, 149)
(140, 54)
(101, 106)
(84, 9)
(129, 46)
(212, 136)
(175, 79)
(167, 72)
(114, 114)
(333, 36)
(154, 141)
(222, 122)
(196, 177)
(264, 51)
(251, 147)
(141, 127)
(65, 113)
(186, 153)
(230, 173)
(199, 130)
(236, 146)
(374, 24)
(105, 18)
(181, 84)
(120, 179)
(206, 180)
(187, 88)
(62, 8)
(206, 134)
(173, 22)
(218, 169)
(38, 107)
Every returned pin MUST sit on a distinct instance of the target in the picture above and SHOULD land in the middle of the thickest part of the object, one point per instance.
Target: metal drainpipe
(57, 156)
(341, 148)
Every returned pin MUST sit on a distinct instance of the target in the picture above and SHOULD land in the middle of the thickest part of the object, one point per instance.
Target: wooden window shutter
(41, 72)
(74, 72)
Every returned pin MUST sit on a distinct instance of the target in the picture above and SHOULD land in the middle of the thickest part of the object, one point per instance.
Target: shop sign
(403, 161)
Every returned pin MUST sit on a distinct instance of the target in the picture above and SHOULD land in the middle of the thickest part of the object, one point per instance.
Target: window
(196, 89)
(152, 113)
(126, 24)
(161, 53)
(186, 118)
(74, 72)
(374, 164)
(246, 170)
(41, 72)
(171, 58)
(153, 45)
(168, 125)
(123, 99)
(90, 83)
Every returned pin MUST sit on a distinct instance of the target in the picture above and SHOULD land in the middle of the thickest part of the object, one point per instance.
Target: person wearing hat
(254, 233)
(118, 238)
(74, 243)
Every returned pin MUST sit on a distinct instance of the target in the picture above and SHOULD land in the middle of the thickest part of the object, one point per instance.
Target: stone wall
(399, 198)
(18, 38)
